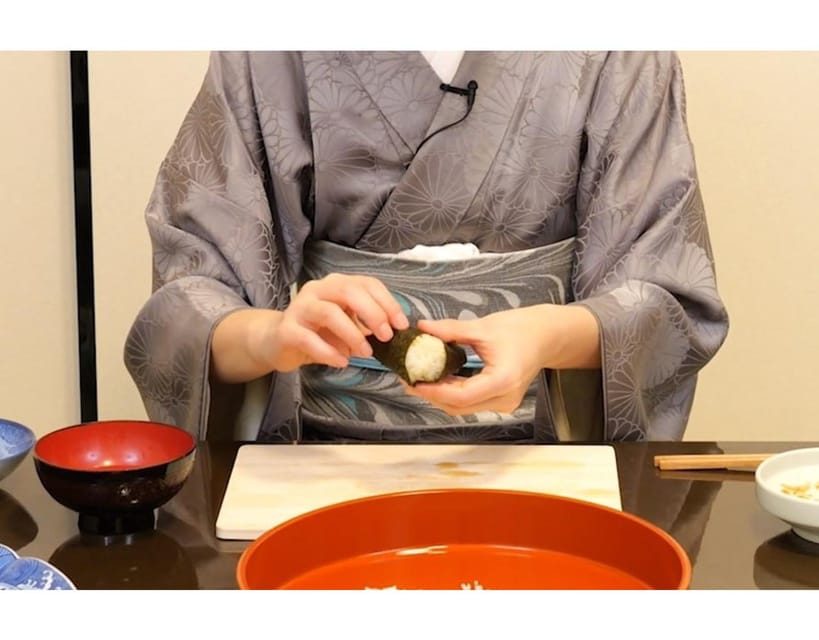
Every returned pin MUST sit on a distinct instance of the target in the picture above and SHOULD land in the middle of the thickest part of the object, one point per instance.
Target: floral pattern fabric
(280, 148)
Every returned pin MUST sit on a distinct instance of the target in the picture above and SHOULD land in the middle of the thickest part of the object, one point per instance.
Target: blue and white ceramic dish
(16, 440)
(30, 573)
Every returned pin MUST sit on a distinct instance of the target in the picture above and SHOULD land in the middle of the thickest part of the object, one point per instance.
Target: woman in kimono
(313, 198)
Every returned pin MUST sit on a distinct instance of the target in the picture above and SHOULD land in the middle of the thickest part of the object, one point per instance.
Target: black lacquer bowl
(115, 473)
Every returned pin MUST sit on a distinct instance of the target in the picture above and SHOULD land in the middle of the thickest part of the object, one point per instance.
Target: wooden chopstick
(709, 475)
(748, 461)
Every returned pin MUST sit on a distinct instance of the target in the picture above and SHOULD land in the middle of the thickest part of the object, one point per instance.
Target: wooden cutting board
(270, 484)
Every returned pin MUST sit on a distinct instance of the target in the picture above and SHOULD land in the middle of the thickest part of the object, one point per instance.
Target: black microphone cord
(470, 92)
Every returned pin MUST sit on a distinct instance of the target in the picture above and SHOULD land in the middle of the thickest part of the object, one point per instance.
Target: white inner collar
(445, 63)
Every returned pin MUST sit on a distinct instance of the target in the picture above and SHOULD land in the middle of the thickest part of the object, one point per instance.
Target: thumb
(450, 330)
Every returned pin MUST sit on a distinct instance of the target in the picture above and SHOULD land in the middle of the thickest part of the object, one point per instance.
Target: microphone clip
(470, 92)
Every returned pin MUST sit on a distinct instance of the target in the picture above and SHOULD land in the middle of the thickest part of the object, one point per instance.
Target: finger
(328, 317)
(498, 404)
(450, 330)
(335, 343)
(316, 350)
(368, 300)
(461, 392)
(388, 303)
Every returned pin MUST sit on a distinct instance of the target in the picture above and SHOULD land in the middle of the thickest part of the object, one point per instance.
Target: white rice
(425, 359)
(465, 586)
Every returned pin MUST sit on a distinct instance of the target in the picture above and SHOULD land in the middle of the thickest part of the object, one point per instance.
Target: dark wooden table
(732, 542)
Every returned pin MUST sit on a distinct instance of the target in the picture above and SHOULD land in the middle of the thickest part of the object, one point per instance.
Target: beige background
(754, 121)
(752, 117)
(137, 103)
(39, 385)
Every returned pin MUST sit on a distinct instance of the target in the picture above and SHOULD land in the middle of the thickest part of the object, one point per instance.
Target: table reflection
(18, 527)
(787, 561)
(145, 560)
(678, 503)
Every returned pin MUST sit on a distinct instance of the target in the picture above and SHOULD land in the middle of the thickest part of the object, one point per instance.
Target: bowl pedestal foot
(109, 525)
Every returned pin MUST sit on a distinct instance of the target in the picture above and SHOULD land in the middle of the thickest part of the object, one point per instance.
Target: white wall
(753, 121)
(38, 327)
(137, 103)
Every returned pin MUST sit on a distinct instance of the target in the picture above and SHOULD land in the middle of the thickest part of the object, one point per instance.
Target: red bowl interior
(113, 445)
(478, 538)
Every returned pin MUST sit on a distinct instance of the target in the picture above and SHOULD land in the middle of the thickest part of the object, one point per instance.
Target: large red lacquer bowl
(465, 539)
(115, 473)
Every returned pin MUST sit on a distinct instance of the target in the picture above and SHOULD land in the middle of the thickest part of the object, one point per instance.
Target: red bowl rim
(38, 458)
(680, 552)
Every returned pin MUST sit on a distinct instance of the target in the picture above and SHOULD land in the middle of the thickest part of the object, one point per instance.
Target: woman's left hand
(515, 345)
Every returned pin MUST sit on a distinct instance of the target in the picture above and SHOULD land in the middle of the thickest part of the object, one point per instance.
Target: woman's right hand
(329, 319)
(326, 323)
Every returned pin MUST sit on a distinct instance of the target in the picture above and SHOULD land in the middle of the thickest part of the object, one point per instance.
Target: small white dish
(787, 486)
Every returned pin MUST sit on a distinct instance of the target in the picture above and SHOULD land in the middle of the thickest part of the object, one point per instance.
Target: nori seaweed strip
(392, 353)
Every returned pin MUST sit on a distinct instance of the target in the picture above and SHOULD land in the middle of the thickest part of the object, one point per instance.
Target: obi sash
(366, 402)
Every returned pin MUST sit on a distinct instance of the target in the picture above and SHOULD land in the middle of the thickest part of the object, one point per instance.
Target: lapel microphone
(470, 92)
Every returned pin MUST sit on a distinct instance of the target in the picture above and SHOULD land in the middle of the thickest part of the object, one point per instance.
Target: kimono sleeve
(213, 242)
(645, 266)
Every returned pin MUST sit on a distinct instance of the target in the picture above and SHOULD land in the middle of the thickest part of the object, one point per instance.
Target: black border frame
(83, 235)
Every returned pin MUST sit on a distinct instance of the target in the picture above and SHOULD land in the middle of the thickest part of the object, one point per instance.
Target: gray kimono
(284, 149)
